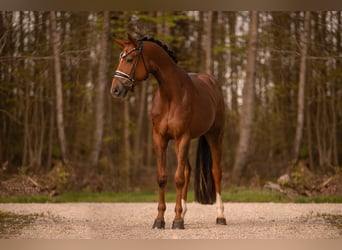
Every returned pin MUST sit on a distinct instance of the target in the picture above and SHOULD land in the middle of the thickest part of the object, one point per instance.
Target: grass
(87, 196)
(232, 195)
(250, 195)
(318, 199)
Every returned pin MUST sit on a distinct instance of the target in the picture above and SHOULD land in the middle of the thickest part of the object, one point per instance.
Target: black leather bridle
(130, 83)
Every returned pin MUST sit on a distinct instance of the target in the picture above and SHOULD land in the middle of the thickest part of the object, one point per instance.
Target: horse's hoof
(178, 224)
(221, 221)
(160, 224)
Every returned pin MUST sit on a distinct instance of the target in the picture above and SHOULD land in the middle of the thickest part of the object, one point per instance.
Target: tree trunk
(126, 171)
(233, 78)
(247, 110)
(138, 152)
(100, 89)
(301, 85)
(55, 42)
(208, 46)
(197, 46)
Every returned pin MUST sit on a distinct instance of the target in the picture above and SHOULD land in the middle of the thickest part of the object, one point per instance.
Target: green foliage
(108, 139)
(297, 176)
(62, 176)
(170, 19)
(219, 49)
(304, 153)
(22, 170)
(56, 152)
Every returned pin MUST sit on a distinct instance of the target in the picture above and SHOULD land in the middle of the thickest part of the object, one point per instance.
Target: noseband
(130, 77)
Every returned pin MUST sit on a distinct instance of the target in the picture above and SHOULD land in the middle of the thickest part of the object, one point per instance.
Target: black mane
(162, 45)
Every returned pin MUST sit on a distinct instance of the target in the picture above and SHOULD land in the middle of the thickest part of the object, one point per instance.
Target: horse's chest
(170, 122)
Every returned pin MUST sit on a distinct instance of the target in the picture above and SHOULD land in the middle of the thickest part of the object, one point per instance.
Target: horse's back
(206, 79)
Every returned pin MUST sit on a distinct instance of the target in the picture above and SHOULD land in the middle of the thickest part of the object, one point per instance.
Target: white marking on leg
(184, 208)
(219, 206)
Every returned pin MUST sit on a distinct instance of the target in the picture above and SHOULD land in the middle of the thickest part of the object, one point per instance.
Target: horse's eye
(129, 60)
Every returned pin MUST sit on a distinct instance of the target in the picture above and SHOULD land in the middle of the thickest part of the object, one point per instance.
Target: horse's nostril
(116, 91)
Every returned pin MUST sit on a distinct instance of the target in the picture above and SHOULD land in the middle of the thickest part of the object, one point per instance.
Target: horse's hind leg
(187, 173)
(215, 141)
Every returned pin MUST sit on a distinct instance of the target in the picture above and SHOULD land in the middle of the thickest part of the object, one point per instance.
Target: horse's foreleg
(181, 180)
(160, 145)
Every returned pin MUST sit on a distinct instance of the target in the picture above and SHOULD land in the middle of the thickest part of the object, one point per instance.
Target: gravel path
(134, 221)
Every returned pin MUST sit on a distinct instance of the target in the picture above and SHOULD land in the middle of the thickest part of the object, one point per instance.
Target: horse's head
(131, 67)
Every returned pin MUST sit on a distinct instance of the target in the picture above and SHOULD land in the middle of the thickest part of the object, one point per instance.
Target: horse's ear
(120, 42)
(132, 39)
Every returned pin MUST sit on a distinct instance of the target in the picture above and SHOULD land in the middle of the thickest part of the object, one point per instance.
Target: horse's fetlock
(161, 207)
(178, 210)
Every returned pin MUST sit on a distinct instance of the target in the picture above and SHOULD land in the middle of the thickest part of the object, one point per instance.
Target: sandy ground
(134, 221)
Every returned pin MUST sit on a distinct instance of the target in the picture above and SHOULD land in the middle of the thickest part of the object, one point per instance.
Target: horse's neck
(169, 76)
(171, 80)
(163, 68)
(171, 83)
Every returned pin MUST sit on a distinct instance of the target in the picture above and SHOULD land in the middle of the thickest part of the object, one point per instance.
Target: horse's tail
(204, 181)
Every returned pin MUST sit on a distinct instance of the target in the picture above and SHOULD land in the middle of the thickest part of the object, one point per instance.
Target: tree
(208, 46)
(301, 85)
(126, 166)
(247, 109)
(100, 89)
(55, 43)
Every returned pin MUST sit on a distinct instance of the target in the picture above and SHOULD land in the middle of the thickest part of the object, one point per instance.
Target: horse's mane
(162, 45)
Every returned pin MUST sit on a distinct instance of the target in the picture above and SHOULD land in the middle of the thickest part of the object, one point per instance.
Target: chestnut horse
(185, 106)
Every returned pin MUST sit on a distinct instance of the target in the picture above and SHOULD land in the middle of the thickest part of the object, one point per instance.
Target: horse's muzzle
(119, 90)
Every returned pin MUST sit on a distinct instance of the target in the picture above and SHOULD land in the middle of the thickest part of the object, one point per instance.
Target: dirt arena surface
(134, 221)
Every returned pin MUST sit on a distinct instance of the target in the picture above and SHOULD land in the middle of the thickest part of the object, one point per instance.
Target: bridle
(130, 83)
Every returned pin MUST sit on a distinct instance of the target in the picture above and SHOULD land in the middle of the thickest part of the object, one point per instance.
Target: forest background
(281, 75)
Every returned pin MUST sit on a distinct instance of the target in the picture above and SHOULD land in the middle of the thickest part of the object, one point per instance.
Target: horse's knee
(162, 181)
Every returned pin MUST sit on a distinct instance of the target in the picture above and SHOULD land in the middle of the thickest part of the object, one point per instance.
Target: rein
(130, 77)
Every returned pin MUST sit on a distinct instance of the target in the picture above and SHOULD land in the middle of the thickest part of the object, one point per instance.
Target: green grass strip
(232, 195)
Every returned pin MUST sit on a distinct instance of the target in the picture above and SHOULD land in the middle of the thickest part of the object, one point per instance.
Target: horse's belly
(201, 124)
